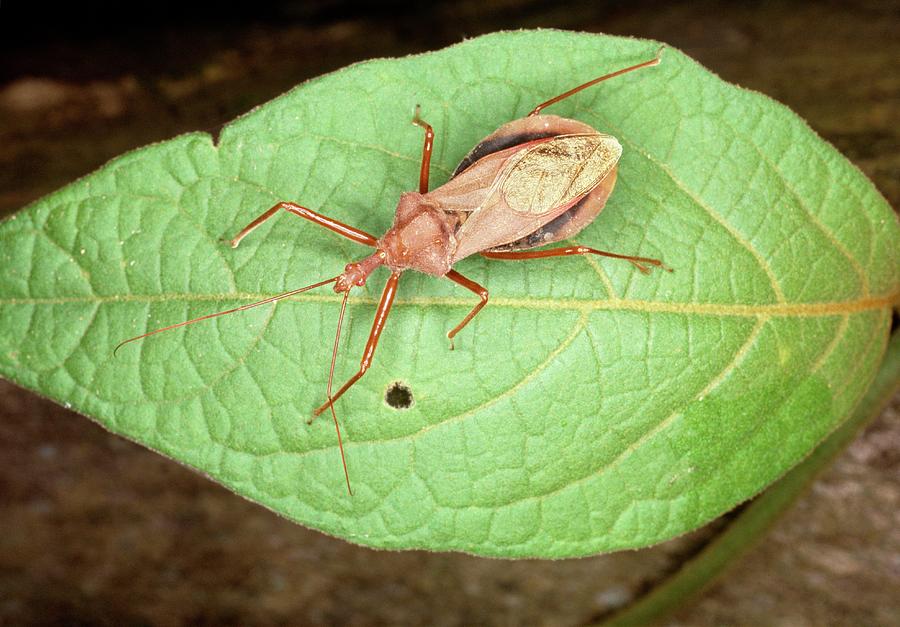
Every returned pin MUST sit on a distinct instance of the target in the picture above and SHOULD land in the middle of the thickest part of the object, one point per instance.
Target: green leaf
(742, 532)
(588, 408)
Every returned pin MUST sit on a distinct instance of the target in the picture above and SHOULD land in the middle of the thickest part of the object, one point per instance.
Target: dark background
(96, 530)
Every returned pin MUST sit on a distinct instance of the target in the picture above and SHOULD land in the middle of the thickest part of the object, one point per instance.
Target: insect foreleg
(472, 286)
(642, 263)
(384, 307)
(426, 151)
(340, 228)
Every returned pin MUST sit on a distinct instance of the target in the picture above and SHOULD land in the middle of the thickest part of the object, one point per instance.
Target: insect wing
(535, 185)
(558, 172)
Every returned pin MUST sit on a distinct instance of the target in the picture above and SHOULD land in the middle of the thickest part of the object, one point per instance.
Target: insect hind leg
(654, 61)
(642, 263)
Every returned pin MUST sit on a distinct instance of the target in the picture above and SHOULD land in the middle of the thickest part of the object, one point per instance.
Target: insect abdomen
(569, 223)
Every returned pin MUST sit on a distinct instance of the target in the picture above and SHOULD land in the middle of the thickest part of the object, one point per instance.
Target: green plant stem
(756, 520)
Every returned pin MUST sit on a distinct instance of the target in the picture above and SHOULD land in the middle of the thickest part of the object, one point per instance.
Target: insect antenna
(337, 338)
(271, 299)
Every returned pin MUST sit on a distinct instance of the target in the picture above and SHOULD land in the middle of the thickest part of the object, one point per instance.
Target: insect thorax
(421, 237)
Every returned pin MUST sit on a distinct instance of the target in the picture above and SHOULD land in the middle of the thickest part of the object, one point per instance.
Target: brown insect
(534, 181)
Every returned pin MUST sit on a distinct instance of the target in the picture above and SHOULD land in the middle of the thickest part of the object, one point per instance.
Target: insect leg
(384, 307)
(654, 61)
(426, 151)
(340, 228)
(642, 263)
(472, 286)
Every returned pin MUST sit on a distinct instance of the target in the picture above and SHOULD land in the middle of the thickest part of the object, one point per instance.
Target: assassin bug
(534, 181)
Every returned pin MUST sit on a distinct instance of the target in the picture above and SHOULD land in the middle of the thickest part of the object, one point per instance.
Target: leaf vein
(735, 234)
(810, 309)
(735, 361)
(798, 199)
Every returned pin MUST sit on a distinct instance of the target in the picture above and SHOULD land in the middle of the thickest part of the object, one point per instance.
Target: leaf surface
(588, 408)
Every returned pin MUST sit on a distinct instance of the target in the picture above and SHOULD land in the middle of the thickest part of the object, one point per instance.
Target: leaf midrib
(814, 309)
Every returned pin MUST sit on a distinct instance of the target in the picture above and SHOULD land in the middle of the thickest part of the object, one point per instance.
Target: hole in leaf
(398, 395)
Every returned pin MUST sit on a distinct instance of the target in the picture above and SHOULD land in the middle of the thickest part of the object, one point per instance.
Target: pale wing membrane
(555, 173)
